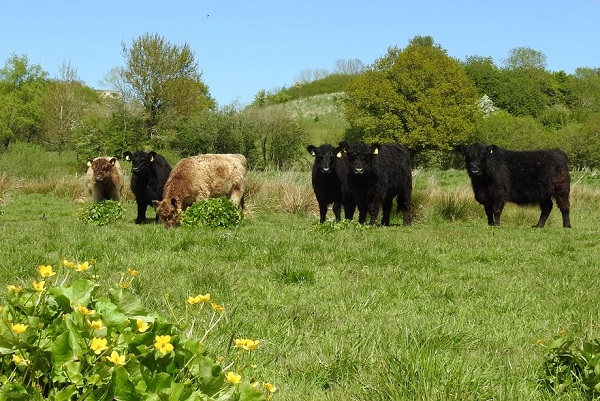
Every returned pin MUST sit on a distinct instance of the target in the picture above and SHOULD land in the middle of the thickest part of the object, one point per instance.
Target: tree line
(417, 96)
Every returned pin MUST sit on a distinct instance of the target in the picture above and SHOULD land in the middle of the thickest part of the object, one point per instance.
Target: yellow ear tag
(313, 153)
(151, 159)
(376, 151)
(89, 164)
(339, 154)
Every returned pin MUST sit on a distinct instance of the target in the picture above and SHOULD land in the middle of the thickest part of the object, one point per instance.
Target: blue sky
(245, 46)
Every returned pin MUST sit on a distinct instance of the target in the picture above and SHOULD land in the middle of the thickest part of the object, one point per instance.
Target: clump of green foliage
(102, 213)
(64, 339)
(212, 212)
(571, 368)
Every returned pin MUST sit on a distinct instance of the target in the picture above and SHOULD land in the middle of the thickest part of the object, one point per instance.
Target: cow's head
(360, 156)
(325, 157)
(476, 156)
(168, 211)
(102, 167)
(141, 162)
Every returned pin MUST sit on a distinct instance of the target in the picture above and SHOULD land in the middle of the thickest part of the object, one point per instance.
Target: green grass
(441, 310)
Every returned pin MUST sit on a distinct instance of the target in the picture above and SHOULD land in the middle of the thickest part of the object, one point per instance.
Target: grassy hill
(318, 105)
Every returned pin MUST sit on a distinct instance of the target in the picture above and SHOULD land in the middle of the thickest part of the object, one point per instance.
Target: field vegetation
(448, 309)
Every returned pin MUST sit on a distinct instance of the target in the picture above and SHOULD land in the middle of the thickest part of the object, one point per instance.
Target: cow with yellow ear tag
(377, 174)
(329, 181)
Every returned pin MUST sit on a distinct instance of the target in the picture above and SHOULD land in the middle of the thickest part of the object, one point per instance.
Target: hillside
(322, 115)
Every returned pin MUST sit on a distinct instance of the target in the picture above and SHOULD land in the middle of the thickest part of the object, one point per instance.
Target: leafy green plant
(568, 367)
(63, 339)
(212, 212)
(102, 213)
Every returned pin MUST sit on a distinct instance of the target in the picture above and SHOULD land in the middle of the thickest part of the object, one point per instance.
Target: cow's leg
(387, 210)
(362, 213)
(546, 207)
(141, 213)
(489, 213)
(349, 207)
(322, 212)
(337, 209)
(405, 204)
(374, 208)
(498, 207)
(563, 204)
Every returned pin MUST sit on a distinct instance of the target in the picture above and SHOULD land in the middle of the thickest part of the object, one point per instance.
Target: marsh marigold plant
(63, 338)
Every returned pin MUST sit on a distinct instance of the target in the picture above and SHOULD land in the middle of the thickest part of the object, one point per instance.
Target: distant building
(109, 94)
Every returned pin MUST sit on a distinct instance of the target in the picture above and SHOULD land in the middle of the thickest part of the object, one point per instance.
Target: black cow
(149, 172)
(531, 177)
(329, 181)
(377, 174)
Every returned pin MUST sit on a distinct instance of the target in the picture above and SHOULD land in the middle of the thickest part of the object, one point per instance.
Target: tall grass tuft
(454, 206)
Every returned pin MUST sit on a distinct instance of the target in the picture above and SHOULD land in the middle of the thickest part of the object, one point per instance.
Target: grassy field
(448, 309)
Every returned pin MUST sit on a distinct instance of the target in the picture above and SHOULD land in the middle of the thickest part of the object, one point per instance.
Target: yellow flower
(123, 285)
(18, 359)
(85, 310)
(95, 324)
(14, 288)
(81, 267)
(233, 378)
(116, 359)
(270, 388)
(217, 307)
(141, 325)
(68, 264)
(46, 271)
(98, 345)
(562, 332)
(246, 344)
(163, 344)
(198, 298)
(18, 328)
(132, 272)
(539, 342)
(38, 286)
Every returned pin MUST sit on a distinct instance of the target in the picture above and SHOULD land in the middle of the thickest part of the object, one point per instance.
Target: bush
(102, 213)
(568, 368)
(212, 212)
(71, 341)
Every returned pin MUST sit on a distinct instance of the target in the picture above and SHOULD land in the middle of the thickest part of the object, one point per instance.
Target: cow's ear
(127, 156)
(113, 161)
(311, 149)
(89, 163)
(460, 148)
(152, 155)
(375, 148)
(492, 148)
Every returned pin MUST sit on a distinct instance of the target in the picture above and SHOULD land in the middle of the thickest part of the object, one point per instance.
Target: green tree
(584, 91)
(22, 90)
(527, 88)
(164, 79)
(418, 96)
(526, 58)
(485, 74)
(66, 102)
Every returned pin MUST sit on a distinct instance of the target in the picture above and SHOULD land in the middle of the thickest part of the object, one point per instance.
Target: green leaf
(66, 393)
(127, 302)
(122, 387)
(68, 345)
(13, 392)
(78, 293)
(249, 393)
